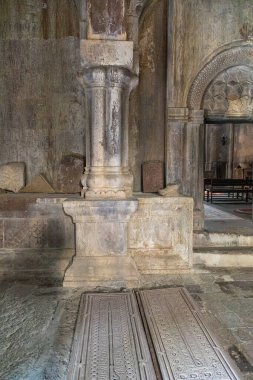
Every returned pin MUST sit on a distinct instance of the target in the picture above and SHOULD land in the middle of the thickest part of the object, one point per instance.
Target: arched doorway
(222, 90)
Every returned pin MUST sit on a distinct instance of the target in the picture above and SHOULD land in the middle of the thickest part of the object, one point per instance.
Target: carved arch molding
(224, 86)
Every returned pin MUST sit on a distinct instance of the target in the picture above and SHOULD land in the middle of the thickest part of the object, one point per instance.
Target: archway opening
(228, 149)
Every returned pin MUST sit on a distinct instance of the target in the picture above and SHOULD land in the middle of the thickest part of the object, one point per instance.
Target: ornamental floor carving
(111, 343)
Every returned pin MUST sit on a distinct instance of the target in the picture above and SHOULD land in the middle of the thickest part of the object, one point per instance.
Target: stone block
(69, 174)
(107, 53)
(153, 176)
(38, 184)
(12, 176)
(160, 234)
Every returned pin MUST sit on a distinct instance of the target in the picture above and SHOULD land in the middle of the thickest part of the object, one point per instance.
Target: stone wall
(41, 104)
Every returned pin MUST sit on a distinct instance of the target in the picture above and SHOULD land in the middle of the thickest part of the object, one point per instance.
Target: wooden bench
(239, 187)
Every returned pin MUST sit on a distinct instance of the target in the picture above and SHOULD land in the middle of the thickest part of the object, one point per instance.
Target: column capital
(107, 77)
(177, 114)
(196, 116)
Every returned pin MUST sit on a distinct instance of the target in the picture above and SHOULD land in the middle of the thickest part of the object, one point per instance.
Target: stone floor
(224, 218)
(37, 323)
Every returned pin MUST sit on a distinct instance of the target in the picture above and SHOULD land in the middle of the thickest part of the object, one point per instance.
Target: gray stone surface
(41, 332)
(36, 331)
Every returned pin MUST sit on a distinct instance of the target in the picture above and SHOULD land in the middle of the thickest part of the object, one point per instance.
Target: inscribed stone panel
(107, 19)
(153, 176)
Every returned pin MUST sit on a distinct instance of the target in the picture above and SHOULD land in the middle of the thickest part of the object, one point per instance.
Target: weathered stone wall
(148, 103)
(196, 29)
(41, 104)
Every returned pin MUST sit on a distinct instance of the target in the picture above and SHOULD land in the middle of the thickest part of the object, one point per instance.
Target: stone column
(101, 219)
(193, 164)
(108, 63)
(108, 87)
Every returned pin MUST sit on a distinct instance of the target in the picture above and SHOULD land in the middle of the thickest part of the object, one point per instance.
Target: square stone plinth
(101, 243)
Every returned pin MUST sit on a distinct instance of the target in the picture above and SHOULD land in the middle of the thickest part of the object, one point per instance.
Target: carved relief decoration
(230, 93)
(246, 31)
(237, 56)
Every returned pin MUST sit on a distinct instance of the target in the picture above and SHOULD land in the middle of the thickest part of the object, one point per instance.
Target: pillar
(101, 218)
(193, 164)
(108, 77)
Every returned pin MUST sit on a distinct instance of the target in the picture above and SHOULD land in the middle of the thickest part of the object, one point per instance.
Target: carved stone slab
(153, 176)
(184, 347)
(109, 342)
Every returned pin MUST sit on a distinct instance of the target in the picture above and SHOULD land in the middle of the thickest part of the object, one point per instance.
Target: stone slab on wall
(160, 234)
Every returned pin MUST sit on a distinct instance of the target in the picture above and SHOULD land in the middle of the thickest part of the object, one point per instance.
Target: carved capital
(107, 77)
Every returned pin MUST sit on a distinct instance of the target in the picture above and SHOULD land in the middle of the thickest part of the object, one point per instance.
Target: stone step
(241, 257)
(215, 239)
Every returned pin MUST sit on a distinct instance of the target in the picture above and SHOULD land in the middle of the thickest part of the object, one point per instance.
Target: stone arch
(231, 56)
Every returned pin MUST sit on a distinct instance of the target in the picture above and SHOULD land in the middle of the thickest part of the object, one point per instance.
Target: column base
(107, 183)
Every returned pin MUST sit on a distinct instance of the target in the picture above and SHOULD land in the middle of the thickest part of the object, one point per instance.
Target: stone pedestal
(101, 244)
